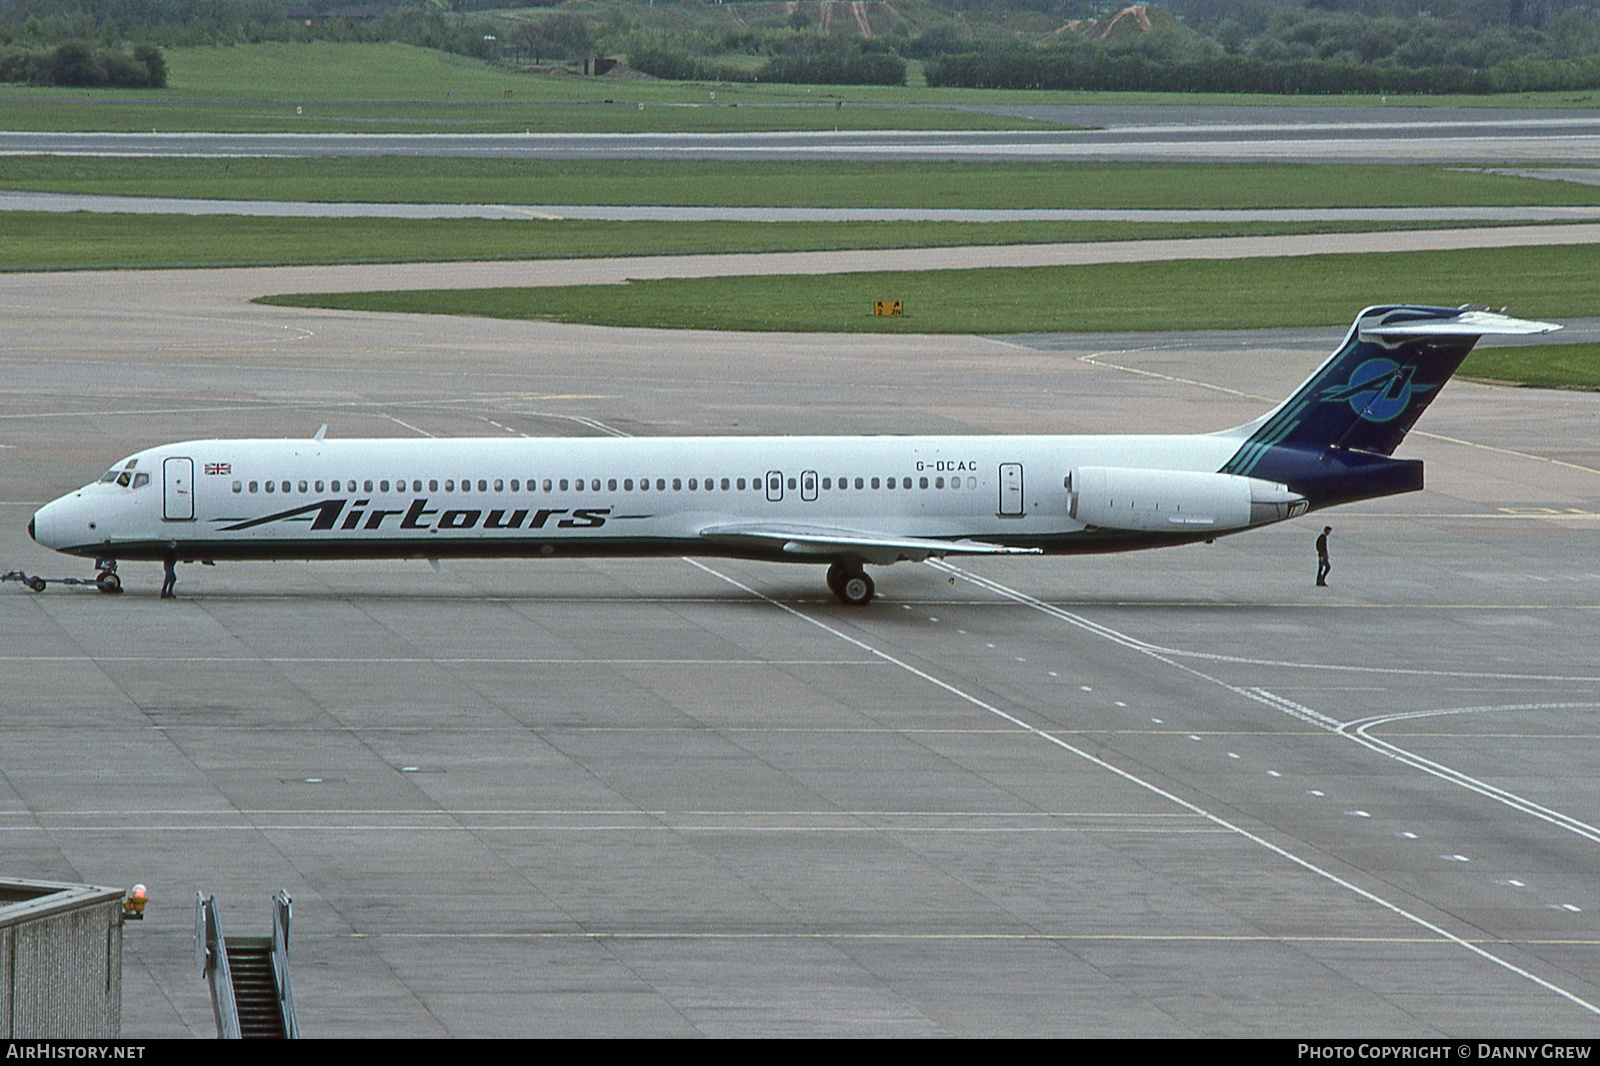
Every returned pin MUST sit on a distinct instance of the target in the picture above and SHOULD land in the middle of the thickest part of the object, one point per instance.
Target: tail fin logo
(1379, 390)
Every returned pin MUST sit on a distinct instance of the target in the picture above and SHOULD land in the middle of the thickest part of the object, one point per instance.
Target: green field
(1549, 282)
(398, 88)
(60, 111)
(1546, 366)
(372, 72)
(388, 88)
(82, 241)
(790, 184)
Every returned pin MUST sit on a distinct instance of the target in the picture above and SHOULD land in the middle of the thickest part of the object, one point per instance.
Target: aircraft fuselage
(401, 498)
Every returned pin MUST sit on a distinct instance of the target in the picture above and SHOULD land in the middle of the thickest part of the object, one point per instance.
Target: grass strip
(1549, 282)
(58, 114)
(1543, 366)
(84, 241)
(394, 179)
(87, 110)
(325, 86)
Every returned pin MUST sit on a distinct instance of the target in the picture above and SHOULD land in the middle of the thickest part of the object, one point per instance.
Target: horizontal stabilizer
(829, 542)
(1461, 324)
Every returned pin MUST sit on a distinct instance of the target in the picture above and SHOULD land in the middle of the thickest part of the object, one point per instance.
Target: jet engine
(1176, 501)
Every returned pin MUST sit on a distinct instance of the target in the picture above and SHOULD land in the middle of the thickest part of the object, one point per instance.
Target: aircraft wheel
(856, 589)
(836, 574)
(36, 584)
(108, 583)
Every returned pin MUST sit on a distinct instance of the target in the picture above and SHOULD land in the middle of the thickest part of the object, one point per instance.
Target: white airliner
(841, 501)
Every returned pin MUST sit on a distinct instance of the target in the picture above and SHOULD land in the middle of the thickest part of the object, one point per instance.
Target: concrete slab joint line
(1134, 779)
(1356, 731)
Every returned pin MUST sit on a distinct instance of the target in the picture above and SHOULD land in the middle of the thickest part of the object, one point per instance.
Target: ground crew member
(169, 566)
(1322, 556)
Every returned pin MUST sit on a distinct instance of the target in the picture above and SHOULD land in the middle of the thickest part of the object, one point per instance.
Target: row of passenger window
(593, 484)
(905, 483)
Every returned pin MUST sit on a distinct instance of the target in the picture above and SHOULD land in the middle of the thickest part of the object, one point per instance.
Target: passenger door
(177, 480)
(1010, 490)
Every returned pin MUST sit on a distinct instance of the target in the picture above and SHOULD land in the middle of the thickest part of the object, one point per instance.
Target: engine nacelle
(1177, 501)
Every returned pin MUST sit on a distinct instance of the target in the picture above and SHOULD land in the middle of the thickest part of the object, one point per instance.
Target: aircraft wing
(880, 548)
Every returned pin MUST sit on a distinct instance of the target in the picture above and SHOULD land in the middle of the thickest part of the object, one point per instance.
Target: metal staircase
(255, 994)
(249, 975)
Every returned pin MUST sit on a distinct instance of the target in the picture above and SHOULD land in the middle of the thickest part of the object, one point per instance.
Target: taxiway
(1177, 793)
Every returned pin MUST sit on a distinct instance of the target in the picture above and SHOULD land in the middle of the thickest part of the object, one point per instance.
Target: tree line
(1104, 70)
(1250, 46)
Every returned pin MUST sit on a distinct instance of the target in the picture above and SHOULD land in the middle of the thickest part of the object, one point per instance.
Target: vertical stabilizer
(1359, 405)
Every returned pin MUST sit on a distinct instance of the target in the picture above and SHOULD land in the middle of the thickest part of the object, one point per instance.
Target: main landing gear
(851, 584)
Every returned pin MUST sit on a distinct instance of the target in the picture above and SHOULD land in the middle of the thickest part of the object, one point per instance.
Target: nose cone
(52, 525)
(39, 524)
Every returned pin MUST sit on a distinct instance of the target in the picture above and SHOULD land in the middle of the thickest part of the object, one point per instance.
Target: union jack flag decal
(219, 468)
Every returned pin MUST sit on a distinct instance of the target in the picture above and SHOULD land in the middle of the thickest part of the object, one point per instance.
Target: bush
(75, 63)
(19, 65)
(155, 66)
(1529, 74)
(836, 68)
(660, 61)
(1091, 68)
(72, 63)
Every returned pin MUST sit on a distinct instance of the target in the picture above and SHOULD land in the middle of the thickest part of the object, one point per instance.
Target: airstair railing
(211, 953)
(282, 909)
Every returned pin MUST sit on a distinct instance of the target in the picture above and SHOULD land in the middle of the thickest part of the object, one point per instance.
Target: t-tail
(1332, 440)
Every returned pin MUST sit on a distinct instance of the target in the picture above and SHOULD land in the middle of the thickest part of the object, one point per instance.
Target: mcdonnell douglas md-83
(841, 501)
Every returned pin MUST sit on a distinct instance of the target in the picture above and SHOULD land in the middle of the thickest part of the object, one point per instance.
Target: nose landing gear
(107, 580)
(851, 584)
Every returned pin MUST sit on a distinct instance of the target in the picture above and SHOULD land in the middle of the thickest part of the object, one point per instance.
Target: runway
(1233, 135)
(1179, 793)
(174, 205)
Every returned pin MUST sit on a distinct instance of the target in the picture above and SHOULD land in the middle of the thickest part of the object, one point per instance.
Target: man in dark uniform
(169, 566)
(1322, 556)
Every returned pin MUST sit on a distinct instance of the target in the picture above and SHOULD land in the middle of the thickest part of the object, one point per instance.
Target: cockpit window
(141, 480)
(111, 475)
(124, 478)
